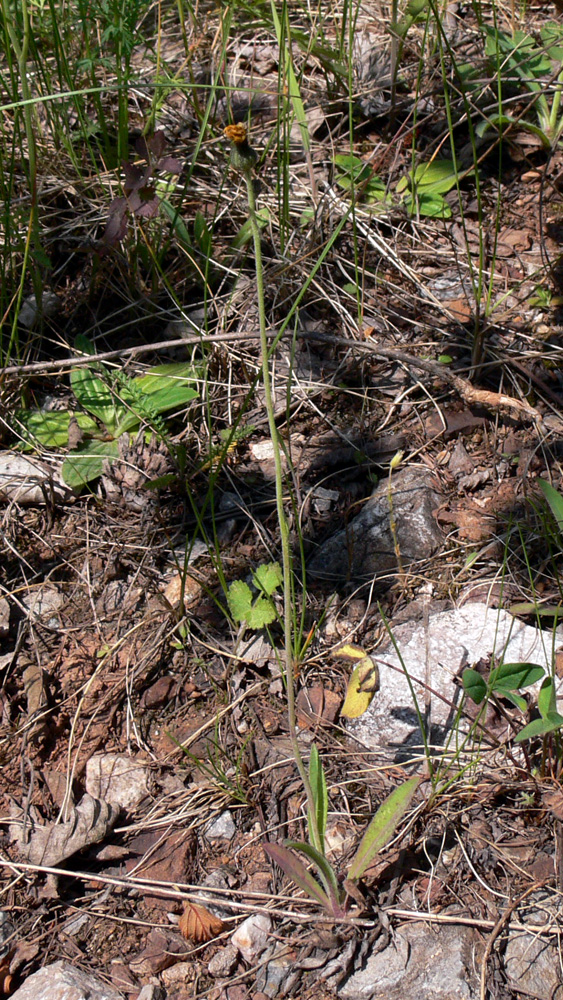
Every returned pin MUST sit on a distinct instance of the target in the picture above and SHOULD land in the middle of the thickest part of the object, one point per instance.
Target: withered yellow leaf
(362, 686)
(351, 652)
(198, 924)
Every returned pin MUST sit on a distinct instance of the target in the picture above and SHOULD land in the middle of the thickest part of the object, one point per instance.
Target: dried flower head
(236, 134)
(243, 157)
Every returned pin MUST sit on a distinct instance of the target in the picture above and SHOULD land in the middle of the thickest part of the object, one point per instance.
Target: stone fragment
(27, 480)
(223, 962)
(151, 992)
(366, 547)
(252, 937)
(7, 934)
(118, 779)
(163, 948)
(222, 828)
(272, 976)
(179, 974)
(433, 655)
(421, 961)
(62, 981)
(44, 603)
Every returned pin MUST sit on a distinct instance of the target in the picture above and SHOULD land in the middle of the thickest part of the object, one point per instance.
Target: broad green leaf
(511, 676)
(239, 599)
(554, 499)
(87, 463)
(362, 686)
(547, 701)
(474, 685)
(261, 613)
(505, 120)
(168, 386)
(382, 826)
(96, 397)
(268, 577)
(83, 344)
(323, 866)
(428, 204)
(317, 780)
(296, 870)
(540, 727)
(50, 428)
(552, 38)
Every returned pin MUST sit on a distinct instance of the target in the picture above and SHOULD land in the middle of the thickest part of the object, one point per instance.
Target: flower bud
(243, 157)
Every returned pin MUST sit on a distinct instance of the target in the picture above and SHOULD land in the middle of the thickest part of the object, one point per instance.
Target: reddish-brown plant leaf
(171, 164)
(198, 924)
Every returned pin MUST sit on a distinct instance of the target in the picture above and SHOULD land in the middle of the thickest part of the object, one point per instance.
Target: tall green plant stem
(282, 520)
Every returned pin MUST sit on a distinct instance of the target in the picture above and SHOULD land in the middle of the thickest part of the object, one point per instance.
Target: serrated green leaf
(261, 613)
(382, 826)
(268, 577)
(87, 462)
(239, 599)
(474, 685)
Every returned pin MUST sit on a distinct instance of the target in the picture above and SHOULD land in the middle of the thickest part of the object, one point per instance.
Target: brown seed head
(236, 134)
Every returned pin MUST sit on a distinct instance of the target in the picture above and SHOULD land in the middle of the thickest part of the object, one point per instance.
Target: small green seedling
(517, 58)
(503, 682)
(111, 404)
(326, 889)
(420, 191)
(256, 611)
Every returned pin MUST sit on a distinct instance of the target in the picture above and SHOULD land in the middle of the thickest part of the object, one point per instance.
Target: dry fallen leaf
(88, 824)
(198, 924)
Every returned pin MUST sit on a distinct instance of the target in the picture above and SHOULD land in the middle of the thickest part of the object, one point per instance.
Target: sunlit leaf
(382, 827)
(511, 676)
(317, 780)
(554, 499)
(268, 577)
(296, 871)
(474, 685)
(198, 924)
(87, 462)
(50, 428)
(362, 686)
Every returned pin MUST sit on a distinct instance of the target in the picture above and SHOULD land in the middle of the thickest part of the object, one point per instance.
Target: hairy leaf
(317, 780)
(382, 826)
(296, 871)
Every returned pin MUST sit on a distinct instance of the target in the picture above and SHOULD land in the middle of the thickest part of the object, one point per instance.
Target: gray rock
(62, 981)
(366, 548)
(27, 480)
(423, 961)
(151, 992)
(223, 962)
(222, 828)
(118, 779)
(434, 655)
(531, 962)
(252, 936)
(273, 975)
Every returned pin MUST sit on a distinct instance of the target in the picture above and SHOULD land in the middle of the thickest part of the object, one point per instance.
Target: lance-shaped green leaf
(325, 871)
(50, 427)
(554, 499)
(382, 826)
(296, 871)
(168, 386)
(317, 781)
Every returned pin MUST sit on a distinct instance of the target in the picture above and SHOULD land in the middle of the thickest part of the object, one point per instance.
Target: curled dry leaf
(88, 824)
(198, 924)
